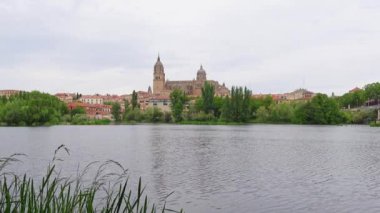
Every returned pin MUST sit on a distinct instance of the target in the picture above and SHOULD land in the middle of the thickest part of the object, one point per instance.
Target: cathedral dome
(158, 67)
(201, 71)
(201, 74)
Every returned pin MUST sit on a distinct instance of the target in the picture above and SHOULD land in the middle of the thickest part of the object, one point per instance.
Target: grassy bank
(105, 192)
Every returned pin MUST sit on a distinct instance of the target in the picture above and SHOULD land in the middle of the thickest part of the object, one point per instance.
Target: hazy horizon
(270, 46)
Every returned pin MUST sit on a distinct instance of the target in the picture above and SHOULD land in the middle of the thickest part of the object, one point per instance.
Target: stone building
(193, 88)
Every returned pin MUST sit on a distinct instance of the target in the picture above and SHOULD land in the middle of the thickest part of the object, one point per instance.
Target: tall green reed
(107, 191)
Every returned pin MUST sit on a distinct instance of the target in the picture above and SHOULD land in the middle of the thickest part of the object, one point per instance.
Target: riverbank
(106, 122)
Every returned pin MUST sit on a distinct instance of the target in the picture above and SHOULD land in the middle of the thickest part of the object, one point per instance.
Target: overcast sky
(270, 46)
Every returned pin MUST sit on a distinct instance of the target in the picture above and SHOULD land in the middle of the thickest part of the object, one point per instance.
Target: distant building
(99, 111)
(93, 111)
(110, 99)
(65, 97)
(161, 86)
(161, 102)
(9, 92)
(142, 98)
(92, 99)
(275, 97)
(299, 94)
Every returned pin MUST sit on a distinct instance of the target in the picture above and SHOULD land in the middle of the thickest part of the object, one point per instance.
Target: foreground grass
(106, 192)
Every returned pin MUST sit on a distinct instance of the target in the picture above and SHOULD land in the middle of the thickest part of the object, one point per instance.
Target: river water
(253, 168)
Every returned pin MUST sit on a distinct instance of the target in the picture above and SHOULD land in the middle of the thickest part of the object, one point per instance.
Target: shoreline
(197, 123)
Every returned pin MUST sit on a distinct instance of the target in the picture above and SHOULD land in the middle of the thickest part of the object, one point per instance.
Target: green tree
(198, 105)
(352, 99)
(134, 100)
(247, 97)
(236, 107)
(256, 103)
(116, 111)
(127, 109)
(3, 99)
(372, 91)
(320, 110)
(281, 113)
(32, 109)
(178, 99)
(208, 93)
(226, 110)
(262, 114)
(218, 105)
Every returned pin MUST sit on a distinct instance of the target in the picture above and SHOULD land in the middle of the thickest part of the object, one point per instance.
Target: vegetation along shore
(239, 107)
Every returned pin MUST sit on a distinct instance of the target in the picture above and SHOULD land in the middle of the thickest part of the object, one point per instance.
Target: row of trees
(208, 107)
(240, 107)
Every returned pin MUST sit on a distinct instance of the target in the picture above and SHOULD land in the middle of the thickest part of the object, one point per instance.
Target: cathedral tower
(158, 77)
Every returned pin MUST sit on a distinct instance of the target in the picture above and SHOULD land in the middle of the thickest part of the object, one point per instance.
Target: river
(253, 168)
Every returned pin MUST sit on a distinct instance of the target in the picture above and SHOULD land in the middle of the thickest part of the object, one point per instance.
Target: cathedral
(192, 88)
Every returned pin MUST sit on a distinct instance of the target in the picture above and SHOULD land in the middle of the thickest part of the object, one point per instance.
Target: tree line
(240, 107)
(36, 108)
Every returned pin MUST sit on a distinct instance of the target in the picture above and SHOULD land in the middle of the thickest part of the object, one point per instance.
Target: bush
(202, 116)
(134, 115)
(262, 114)
(361, 116)
(281, 113)
(79, 119)
(154, 115)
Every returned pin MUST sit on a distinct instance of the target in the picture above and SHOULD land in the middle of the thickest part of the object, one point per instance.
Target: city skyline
(111, 47)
